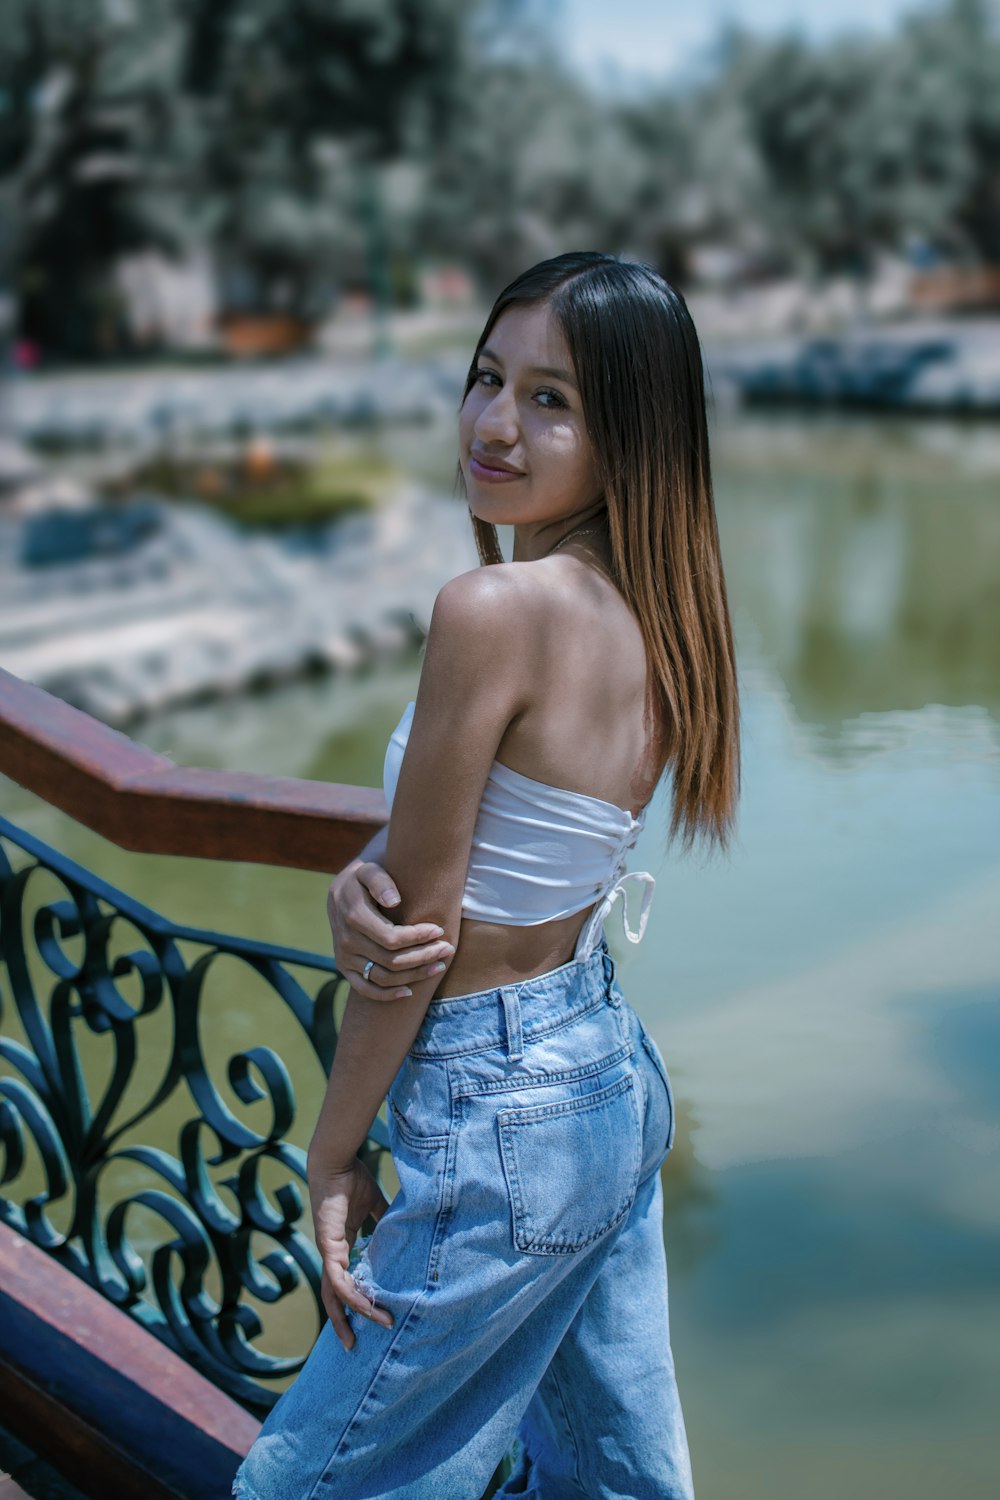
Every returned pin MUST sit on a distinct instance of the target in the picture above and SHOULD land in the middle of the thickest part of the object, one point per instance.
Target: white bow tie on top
(592, 927)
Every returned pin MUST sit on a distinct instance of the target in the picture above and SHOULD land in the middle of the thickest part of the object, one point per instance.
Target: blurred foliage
(299, 99)
(88, 116)
(250, 125)
(323, 145)
(863, 143)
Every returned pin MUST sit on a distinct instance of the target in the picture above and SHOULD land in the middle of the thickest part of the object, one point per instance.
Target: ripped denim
(522, 1260)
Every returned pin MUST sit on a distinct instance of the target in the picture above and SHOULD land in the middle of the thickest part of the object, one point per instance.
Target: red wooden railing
(142, 801)
(83, 1384)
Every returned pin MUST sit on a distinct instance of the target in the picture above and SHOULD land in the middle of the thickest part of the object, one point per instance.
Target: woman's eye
(548, 399)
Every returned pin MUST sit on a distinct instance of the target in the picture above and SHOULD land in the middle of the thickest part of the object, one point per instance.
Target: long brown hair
(638, 365)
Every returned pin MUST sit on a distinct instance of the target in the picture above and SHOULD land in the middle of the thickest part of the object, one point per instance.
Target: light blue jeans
(522, 1260)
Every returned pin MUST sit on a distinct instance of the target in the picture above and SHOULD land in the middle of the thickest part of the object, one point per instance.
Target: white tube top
(540, 852)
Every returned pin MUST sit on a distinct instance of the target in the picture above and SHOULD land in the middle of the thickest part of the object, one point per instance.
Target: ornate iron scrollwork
(60, 1143)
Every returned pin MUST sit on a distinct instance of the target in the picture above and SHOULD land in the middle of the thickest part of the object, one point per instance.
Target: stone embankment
(147, 410)
(167, 602)
(923, 368)
(126, 608)
(187, 605)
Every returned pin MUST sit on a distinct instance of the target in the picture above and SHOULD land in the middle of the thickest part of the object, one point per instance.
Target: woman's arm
(472, 685)
(360, 931)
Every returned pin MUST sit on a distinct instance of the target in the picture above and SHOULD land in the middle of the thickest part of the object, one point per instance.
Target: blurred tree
(322, 143)
(87, 113)
(535, 167)
(801, 106)
(948, 62)
(852, 147)
(260, 126)
(305, 100)
(666, 208)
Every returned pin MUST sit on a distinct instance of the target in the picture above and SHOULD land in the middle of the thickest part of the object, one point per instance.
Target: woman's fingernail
(402, 994)
(437, 968)
(389, 898)
(437, 932)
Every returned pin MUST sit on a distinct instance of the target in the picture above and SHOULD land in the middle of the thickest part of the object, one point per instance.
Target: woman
(516, 1286)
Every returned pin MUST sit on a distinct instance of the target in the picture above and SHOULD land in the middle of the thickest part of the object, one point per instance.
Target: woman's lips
(491, 476)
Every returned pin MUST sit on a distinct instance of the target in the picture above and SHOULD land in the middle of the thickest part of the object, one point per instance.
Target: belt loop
(611, 988)
(512, 1022)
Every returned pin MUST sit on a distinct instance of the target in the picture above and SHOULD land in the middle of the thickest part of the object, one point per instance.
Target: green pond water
(827, 996)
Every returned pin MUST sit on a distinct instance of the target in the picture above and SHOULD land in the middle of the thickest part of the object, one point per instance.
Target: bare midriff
(489, 955)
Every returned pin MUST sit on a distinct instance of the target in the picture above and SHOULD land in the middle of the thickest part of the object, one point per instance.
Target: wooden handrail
(98, 1397)
(142, 801)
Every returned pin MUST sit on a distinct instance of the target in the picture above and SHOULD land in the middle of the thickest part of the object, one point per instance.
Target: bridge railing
(121, 1031)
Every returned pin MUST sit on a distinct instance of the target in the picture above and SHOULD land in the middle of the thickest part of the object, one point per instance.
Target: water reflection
(964, 1039)
(828, 999)
(866, 571)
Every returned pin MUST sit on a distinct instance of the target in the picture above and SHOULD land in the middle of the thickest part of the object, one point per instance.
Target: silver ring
(366, 971)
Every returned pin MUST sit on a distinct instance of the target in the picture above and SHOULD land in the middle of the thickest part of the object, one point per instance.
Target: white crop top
(540, 852)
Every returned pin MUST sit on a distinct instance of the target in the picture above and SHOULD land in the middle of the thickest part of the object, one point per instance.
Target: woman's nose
(497, 422)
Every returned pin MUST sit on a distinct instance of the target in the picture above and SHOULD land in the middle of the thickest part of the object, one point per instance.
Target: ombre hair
(638, 367)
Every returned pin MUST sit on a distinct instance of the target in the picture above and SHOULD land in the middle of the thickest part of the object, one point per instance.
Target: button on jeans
(522, 1260)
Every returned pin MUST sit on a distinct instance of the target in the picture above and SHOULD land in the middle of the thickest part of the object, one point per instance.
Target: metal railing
(87, 961)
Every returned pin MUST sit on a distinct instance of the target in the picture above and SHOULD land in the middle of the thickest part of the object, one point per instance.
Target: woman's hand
(400, 955)
(341, 1202)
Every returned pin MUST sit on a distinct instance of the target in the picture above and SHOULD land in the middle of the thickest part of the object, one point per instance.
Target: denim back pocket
(572, 1167)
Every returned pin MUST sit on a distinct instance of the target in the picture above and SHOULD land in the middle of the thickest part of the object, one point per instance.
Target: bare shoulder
(496, 586)
(539, 586)
(503, 601)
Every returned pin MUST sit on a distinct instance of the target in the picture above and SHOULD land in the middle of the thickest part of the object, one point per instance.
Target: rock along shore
(191, 605)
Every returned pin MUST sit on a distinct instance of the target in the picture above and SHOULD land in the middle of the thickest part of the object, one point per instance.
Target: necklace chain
(581, 531)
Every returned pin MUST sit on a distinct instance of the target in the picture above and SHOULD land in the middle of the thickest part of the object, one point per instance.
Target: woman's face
(523, 445)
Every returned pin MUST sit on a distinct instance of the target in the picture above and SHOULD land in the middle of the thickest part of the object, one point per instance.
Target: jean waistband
(510, 1015)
